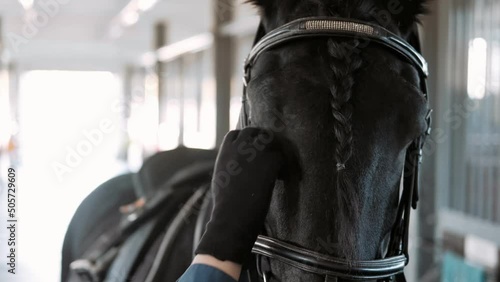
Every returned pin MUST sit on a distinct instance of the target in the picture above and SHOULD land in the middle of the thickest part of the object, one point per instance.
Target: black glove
(245, 171)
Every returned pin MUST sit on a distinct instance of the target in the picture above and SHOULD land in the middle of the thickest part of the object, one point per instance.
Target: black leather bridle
(331, 268)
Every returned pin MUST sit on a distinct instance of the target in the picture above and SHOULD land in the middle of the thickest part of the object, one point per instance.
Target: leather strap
(328, 27)
(317, 263)
(122, 266)
(172, 231)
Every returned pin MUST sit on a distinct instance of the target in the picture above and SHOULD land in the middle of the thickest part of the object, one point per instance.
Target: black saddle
(171, 182)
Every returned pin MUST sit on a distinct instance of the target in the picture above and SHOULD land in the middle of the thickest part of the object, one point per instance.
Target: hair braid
(343, 63)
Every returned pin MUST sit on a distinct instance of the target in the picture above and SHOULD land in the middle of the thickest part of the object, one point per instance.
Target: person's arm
(230, 268)
(207, 270)
(246, 169)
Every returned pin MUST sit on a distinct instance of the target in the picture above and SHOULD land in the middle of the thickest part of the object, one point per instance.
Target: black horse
(350, 112)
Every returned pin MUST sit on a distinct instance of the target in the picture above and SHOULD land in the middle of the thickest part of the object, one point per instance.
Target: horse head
(346, 111)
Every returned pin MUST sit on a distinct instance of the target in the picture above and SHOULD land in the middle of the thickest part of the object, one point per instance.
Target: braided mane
(343, 64)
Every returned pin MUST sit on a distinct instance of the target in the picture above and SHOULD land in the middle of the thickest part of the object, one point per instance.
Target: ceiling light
(145, 5)
(477, 68)
(189, 45)
(27, 4)
(130, 18)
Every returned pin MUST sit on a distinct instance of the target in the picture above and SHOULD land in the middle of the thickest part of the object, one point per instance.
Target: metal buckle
(91, 271)
(428, 118)
(420, 155)
(244, 79)
(266, 276)
(85, 269)
(329, 278)
(246, 74)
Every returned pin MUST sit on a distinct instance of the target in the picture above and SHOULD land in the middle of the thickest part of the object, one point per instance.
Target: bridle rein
(331, 268)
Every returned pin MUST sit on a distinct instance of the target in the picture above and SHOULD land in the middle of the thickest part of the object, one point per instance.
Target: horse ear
(407, 12)
(264, 4)
(414, 39)
(256, 3)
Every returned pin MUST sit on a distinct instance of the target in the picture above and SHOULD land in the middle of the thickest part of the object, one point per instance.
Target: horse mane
(403, 14)
(343, 69)
(344, 62)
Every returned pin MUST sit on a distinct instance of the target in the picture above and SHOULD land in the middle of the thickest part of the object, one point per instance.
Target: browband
(317, 263)
(329, 26)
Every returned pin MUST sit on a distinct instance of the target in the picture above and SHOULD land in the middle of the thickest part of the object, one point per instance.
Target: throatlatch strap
(399, 235)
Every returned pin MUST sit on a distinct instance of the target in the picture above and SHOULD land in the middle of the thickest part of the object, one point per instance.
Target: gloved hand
(245, 171)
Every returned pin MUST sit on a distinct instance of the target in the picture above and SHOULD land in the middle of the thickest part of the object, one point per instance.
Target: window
(70, 136)
(188, 110)
(475, 110)
(243, 45)
(199, 109)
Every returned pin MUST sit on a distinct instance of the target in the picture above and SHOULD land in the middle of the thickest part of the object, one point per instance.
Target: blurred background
(89, 89)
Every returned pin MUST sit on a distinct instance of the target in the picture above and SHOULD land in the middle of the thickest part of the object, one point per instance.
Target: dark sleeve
(204, 273)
